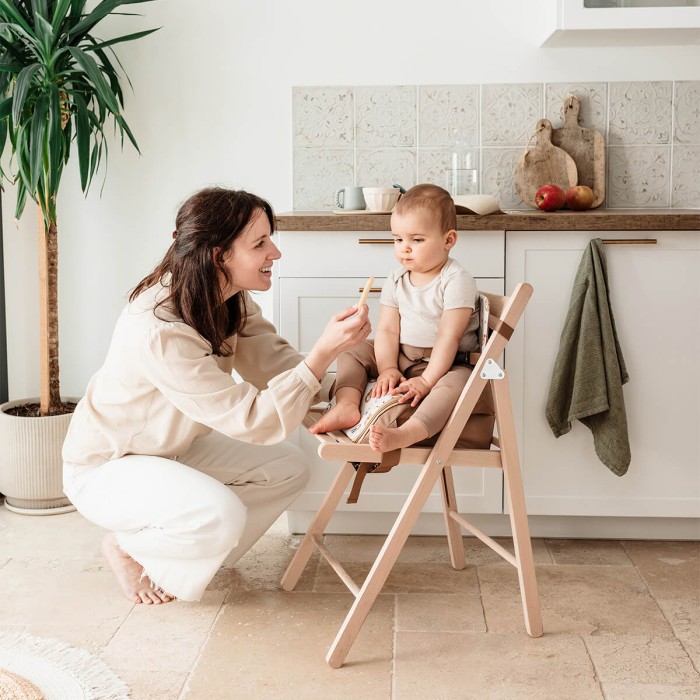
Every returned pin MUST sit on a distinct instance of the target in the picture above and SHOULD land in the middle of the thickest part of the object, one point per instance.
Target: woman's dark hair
(211, 218)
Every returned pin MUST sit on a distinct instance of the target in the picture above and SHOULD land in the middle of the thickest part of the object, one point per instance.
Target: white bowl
(380, 198)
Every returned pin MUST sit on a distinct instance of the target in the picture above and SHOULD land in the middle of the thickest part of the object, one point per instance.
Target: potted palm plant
(59, 87)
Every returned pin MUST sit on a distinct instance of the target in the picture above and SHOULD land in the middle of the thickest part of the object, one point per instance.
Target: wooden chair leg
(513, 483)
(454, 531)
(382, 565)
(317, 527)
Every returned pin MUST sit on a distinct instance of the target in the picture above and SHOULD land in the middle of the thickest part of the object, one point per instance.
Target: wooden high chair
(438, 462)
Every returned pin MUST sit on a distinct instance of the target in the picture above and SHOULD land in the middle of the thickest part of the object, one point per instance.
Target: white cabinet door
(624, 23)
(305, 307)
(655, 297)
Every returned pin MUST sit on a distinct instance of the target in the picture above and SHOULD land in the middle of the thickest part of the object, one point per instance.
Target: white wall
(212, 104)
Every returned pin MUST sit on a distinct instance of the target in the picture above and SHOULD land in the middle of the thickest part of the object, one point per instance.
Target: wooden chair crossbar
(437, 462)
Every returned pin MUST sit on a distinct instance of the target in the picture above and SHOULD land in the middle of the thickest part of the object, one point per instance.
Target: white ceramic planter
(31, 468)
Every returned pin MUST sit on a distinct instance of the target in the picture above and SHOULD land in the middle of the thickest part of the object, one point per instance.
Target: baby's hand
(413, 390)
(386, 381)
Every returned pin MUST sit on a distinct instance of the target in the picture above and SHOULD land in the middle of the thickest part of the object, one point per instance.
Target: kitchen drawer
(361, 254)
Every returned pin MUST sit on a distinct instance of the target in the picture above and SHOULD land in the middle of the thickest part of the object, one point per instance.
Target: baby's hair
(433, 198)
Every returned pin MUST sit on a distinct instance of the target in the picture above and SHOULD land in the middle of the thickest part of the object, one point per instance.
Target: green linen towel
(589, 370)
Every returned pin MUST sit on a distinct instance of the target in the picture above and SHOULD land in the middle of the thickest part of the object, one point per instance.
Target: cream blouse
(161, 387)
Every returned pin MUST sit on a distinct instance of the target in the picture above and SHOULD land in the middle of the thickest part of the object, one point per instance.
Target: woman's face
(249, 260)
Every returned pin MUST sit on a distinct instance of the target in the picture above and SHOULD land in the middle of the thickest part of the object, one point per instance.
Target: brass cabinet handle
(629, 241)
(371, 289)
(375, 241)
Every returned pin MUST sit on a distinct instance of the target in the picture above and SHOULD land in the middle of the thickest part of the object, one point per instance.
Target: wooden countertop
(563, 220)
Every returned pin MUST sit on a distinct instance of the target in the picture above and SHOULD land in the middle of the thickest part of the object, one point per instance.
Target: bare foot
(342, 415)
(137, 588)
(383, 439)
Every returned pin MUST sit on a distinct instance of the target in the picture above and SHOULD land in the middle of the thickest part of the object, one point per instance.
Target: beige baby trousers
(182, 518)
(358, 364)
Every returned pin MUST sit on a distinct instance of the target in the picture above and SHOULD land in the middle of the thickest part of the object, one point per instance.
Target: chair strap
(389, 460)
(503, 328)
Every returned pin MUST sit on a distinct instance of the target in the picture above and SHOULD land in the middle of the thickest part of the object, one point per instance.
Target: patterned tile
(447, 113)
(383, 167)
(687, 112)
(318, 173)
(433, 165)
(385, 116)
(594, 104)
(323, 116)
(498, 166)
(638, 176)
(640, 113)
(509, 113)
(686, 177)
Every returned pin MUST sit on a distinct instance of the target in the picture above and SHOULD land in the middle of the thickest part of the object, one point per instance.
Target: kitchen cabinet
(322, 272)
(620, 22)
(655, 297)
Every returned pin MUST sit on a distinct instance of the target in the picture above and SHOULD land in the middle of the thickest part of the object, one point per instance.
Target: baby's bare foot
(383, 439)
(342, 415)
(136, 587)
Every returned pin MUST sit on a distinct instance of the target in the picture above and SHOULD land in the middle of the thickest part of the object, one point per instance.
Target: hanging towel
(589, 370)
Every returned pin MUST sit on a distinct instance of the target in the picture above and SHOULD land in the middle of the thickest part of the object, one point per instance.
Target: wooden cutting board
(544, 164)
(585, 146)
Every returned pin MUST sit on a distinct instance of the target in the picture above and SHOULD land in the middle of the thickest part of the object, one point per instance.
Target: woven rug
(32, 668)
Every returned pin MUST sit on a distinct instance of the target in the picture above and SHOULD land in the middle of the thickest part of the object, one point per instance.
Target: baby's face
(420, 244)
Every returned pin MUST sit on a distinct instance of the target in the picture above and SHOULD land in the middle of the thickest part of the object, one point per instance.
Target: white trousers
(180, 519)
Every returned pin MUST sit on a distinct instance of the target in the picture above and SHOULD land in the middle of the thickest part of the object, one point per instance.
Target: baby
(427, 327)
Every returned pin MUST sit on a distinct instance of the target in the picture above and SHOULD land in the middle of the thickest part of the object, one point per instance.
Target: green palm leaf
(24, 79)
(100, 12)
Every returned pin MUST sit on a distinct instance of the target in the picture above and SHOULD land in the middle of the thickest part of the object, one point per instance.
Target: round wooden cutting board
(544, 164)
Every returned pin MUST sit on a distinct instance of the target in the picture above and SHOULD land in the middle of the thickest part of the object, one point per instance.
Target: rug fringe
(98, 680)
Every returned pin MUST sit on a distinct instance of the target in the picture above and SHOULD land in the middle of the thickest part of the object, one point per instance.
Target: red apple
(580, 197)
(550, 197)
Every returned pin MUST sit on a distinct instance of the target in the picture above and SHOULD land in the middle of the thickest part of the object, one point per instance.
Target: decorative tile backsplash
(381, 135)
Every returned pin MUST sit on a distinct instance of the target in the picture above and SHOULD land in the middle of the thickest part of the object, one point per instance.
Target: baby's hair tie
(175, 234)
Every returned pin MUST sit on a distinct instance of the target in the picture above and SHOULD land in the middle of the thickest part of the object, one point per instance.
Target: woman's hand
(413, 390)
(386, 381)
(346, 329)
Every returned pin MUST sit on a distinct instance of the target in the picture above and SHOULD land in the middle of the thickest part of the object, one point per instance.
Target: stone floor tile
(153, 685)
(263, 566)
(273, 645)
(404, 578)
(670, 569)
(492, 667)
(71, 592)
(92, 638)
(69, 533)
(650, 691)
(683, 614)
(179, 627)
(449, 612)
(640, 659)
(574, 600)
(589, 552)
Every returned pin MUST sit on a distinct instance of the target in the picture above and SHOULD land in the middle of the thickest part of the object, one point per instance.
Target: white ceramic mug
(350, 198)
(381, 199)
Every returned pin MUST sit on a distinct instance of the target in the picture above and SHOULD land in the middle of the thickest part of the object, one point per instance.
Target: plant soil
(31, 410)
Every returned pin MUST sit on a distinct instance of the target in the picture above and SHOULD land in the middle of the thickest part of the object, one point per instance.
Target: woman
(181, 463)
